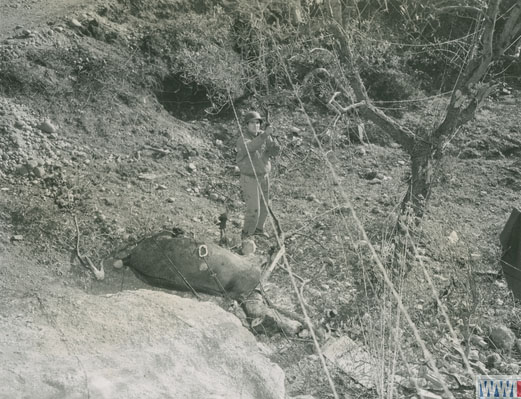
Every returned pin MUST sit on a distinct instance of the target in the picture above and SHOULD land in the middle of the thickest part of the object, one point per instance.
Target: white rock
(474, 355)
(160, 338)
(478, 341)
(117, 264)
(76, 23)
(453, 237)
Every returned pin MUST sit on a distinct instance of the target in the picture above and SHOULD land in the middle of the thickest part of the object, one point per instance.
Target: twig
(85, 260)
(158, 150)
(267, 273)
(309, 279)
(311, 238)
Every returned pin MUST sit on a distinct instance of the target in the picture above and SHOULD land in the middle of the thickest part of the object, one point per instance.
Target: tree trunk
(420, 183)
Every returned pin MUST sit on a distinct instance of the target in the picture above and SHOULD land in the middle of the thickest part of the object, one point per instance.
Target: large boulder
(140, 344)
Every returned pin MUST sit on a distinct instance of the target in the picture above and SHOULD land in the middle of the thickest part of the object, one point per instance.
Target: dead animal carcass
(510, 239)
(184, 263)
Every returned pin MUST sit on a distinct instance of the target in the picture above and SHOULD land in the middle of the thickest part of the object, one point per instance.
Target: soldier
(254, 150)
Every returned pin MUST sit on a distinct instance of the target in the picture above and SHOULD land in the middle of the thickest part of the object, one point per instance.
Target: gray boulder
(503, 337)
(134, 344)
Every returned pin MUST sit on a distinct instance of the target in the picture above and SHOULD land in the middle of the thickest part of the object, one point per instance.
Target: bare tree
(497, 34)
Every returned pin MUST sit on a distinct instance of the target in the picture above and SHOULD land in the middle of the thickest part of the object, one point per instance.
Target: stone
(493, 360)
(20, 124)
(76, 23)
(21, 170)
(304, 333)
(353, 359)
(478, 341)
(503, 337)
(474, 355)
(248, 247)
(117, 264)
(39, 172)
(47, 127)
(135, 344)
(361, 151)
(424, 394)
(453, 238)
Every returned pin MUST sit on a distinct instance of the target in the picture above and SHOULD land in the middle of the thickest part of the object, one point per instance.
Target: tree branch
(510, 30)
(466, 98)
(335, 105)
(478, 66)
(398, 132)
(451, 9)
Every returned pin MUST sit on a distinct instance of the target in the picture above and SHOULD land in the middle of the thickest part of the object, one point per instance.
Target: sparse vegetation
(119, 159)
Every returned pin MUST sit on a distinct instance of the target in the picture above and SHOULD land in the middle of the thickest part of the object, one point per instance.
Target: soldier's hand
(269, 130)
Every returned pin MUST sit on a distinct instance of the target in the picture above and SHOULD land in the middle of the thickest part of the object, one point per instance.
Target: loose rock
(47, 127)
(76, 23)
(453, 237)
(248, 247)
(503, 337)
(493, 360)
(39, 171)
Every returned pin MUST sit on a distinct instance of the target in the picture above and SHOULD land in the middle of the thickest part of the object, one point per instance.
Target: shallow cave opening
(184, 101)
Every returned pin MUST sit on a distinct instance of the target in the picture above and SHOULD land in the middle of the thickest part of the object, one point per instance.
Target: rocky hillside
(98, 149)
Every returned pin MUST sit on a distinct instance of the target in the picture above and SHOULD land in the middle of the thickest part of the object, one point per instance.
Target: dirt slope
(29, 14)
(118, 162)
